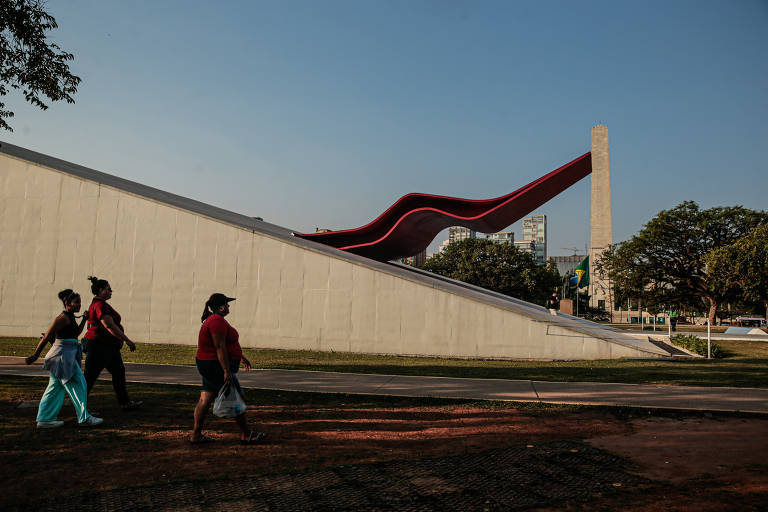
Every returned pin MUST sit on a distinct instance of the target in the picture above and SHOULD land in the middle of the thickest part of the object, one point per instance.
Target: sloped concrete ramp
(165, 254)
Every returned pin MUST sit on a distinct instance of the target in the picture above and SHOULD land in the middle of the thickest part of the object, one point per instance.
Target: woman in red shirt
(218, 359)
(103, 341)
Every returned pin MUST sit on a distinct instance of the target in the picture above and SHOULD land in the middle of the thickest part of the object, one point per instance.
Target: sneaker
(50, 424)
(130, 406)
(92, 421)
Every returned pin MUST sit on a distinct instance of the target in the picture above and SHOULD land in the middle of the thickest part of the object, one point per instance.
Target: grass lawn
(746, 365)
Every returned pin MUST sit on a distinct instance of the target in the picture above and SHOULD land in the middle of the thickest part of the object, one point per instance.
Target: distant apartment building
(502, 236)
(528, 246)
(416, 260)
(566, 264)
(456, 233)
(535, 230)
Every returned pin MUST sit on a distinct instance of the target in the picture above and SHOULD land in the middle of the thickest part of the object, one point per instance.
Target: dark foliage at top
(30, 62)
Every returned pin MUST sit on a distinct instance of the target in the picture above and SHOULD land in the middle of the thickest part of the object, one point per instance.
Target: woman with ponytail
(103, 341)
(218, 359)
(63, 361)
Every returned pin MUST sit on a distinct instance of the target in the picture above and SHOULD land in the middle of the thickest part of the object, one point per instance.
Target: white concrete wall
(164, 262)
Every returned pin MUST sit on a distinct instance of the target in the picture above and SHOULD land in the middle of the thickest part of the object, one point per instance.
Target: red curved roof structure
(409, 225)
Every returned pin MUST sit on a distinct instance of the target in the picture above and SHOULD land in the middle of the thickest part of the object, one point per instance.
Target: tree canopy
(500, 267)
(743, 263)
(28, 60)
(664, 263)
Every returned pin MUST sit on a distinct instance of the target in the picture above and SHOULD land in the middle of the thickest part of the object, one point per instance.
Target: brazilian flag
(581, 279)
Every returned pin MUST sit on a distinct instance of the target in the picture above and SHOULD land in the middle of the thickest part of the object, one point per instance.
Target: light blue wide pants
(53, 398)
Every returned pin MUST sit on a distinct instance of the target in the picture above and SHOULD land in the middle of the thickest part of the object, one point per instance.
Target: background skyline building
(535, 229)
(528, 246)
(416, 260)
(456, 233)
(502, 236)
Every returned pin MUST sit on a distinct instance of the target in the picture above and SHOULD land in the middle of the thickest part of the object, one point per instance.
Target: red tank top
(96, 330)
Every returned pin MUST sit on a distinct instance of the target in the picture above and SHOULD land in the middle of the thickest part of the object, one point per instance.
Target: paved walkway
(589, 393)
(715, 336)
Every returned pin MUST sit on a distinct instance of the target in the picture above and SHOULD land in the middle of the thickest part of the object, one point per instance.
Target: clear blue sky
(323, 113)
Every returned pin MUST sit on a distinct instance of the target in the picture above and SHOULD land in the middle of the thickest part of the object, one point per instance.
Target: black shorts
(213, 375)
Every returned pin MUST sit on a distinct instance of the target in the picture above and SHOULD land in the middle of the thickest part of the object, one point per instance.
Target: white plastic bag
(229, 403)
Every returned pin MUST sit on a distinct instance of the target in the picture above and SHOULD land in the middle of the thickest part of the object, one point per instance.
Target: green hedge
(697, 345)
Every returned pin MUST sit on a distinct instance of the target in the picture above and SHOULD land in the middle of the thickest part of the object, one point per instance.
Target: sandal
(204, 439)
(254, 437)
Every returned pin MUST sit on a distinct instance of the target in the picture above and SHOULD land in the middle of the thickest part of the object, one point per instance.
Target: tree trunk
(766, 311)
(712, 310)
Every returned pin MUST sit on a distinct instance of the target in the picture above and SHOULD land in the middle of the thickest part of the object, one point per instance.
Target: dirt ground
(709, 463)
(687, 461)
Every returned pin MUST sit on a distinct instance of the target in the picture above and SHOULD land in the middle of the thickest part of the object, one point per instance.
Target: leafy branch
(28, 60)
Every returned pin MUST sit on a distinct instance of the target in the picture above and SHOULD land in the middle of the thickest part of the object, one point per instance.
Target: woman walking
(218, 359)
(63, 361)
(103, 341)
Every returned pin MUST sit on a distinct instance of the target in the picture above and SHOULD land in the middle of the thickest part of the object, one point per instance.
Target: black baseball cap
(218, 299)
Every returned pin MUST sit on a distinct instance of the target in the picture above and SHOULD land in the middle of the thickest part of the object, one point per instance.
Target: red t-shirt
(96, 330)
(216, 324)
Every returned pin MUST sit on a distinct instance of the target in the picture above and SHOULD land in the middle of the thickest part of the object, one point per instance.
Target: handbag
(229, 403)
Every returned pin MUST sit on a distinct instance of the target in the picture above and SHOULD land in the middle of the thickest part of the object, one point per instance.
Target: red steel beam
(409, 225)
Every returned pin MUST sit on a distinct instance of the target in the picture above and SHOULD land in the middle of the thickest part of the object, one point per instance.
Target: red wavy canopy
(409, 225)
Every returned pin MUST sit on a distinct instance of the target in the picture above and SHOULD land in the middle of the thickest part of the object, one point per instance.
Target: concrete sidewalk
(589, 393)
(720, 336)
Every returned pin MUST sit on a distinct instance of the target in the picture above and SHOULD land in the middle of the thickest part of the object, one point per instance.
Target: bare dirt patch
(298, 438)
(679, 449)
(709, 463)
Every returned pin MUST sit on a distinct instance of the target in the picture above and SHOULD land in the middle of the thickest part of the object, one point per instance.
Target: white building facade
(526, 246)
(457, 233)
(535, 229)
(502, 237)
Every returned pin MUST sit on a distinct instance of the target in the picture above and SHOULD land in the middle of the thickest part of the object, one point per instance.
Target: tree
(500, 267)
(743, 263)
(30, 62)
(664, 263)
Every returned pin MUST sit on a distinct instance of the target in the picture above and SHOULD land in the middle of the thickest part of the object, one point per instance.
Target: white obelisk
(600, 220)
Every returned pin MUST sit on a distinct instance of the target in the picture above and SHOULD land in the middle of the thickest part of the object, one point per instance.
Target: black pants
(104, 355)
